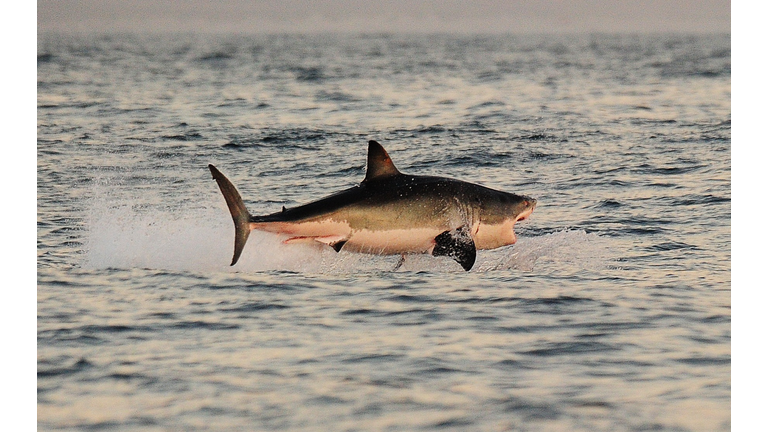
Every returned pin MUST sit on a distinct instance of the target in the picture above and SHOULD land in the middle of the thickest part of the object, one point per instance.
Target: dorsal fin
(380, 166)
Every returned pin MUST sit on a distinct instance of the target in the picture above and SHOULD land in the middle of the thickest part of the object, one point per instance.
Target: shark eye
(526, 203)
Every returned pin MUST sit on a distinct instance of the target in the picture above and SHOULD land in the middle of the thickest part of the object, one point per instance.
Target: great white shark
(392, 213)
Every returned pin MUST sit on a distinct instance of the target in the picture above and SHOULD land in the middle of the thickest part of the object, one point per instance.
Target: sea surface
(611, 313)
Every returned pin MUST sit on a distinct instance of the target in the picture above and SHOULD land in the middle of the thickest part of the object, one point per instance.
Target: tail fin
(240, 214)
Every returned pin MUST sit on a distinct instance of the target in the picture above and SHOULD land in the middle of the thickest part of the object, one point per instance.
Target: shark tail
(240, 214)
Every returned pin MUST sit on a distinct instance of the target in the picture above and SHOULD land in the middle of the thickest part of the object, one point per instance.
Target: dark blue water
(612, 312)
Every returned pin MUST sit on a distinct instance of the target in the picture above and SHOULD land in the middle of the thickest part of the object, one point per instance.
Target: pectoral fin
(457, 244)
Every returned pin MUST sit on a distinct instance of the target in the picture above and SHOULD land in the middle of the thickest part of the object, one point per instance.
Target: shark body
(392, 213)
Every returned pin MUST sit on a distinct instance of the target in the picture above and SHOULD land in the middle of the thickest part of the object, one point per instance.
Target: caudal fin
(240, 214)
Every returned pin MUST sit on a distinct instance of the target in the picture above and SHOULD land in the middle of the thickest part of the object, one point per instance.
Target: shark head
(498, 215)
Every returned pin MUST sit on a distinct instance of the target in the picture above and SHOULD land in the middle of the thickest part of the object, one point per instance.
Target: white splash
(575, 248)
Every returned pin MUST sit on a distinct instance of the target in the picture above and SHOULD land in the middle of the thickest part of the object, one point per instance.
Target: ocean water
(611, 313)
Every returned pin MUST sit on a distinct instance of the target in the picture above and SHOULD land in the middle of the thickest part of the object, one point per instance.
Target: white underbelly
(391, 242)
(383, 242)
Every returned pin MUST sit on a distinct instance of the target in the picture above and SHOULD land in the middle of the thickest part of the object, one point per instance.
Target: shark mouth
(525, 214)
